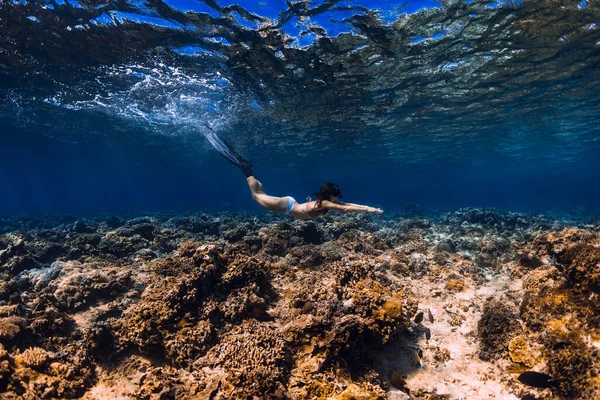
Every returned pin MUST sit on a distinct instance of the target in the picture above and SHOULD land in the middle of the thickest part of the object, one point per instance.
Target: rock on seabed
(236, 307)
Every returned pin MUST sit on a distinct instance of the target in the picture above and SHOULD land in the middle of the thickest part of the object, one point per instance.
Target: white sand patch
(84, 319)
(103, 392)
(464, 375)
(117, 387)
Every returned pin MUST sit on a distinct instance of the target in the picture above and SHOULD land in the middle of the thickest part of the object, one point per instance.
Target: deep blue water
(103, 104)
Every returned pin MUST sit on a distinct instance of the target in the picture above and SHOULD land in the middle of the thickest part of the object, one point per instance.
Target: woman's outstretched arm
(349, 207)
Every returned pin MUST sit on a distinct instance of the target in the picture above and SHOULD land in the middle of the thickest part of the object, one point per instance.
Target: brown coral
(355, 241)
(10, 327)
(273, 316)
(497, 326)
(148, 322)
(189, 343)
(257, 359)
(569, 361)
(519, 351)
(68, 379)
(157, 384)
(542, 279)
(86, 286)
(455, 285)
(393, 309)
(221, 288)
(173, 266)
(5, 368)
(583, 271)
(34, 357)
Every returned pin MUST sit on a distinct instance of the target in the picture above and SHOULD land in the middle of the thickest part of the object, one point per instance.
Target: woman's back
(307, 210)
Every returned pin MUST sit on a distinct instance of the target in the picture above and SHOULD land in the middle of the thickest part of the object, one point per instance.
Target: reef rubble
(467, 304)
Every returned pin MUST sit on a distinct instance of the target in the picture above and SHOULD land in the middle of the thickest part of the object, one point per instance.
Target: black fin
(243, 164)
(235, 158)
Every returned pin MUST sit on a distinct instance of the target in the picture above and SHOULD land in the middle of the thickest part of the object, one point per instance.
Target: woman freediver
(328, 197)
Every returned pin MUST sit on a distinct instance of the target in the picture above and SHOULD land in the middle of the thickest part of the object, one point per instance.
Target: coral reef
(561, 300)
(351, 306)
(496, 328)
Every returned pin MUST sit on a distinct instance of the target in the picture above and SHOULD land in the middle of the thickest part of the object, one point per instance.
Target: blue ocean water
(104, 104)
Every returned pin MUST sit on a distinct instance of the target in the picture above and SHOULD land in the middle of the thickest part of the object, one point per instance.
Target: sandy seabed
(460, 305)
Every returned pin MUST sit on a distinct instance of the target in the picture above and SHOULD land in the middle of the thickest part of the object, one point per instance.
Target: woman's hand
(373, 210)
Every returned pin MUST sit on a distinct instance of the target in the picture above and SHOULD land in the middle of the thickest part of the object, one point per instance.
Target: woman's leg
(271, 203)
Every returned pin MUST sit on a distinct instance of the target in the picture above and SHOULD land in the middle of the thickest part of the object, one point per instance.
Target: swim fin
(240, 162)
(229, 153)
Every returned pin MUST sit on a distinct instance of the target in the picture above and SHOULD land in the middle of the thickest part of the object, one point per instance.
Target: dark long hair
(327, 190)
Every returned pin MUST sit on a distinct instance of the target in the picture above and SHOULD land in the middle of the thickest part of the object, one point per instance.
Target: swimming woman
(328, 197)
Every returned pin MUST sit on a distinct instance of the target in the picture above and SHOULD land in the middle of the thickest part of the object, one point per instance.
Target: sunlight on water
(311, 64)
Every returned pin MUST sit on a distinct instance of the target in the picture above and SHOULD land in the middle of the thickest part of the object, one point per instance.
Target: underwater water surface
(104, 105)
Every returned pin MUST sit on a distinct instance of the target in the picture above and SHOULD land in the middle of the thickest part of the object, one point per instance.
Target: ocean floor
(471, 304)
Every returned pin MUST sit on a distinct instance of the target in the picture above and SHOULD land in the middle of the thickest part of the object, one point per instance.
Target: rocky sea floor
(461, 305)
